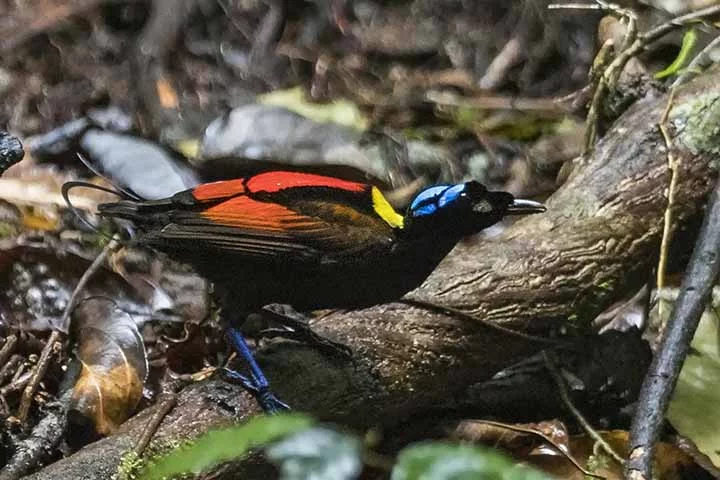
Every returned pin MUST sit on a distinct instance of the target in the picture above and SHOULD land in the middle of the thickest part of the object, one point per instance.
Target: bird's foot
(262, 393)
(295, 326)
(256, 383)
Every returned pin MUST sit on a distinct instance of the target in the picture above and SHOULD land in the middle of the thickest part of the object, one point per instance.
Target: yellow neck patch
(383, 208)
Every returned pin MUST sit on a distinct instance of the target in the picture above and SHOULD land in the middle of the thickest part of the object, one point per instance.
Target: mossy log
(598, 240)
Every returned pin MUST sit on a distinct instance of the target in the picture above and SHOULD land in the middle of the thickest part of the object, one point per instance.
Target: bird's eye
(483, 207)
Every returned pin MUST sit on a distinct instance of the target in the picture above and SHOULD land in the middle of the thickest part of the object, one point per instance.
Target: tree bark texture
(597, 241)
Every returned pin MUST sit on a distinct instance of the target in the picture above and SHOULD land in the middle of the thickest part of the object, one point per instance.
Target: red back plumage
(218, 190)
(275, 181)
(271, 182)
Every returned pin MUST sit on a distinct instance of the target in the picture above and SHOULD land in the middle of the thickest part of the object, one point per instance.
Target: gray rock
(11, 151)
(145, 167)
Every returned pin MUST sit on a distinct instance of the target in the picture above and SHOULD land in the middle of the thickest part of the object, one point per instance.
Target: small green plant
(688, 44)
(448, 461)
(218, 446)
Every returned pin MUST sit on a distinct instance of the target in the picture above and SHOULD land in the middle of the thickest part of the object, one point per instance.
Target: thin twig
(94, 267)
(702, 273)
(9, 367)
(165, 405)
(668, 218)
(602, 83)
(54, 343)
(17, 384)
(166, 402)
(7, 348)
(551, 364)
(598, 5)
(631, 31)
(574, 6)
(497, 102)
(453, 312)
(558, 447)
(596, 88)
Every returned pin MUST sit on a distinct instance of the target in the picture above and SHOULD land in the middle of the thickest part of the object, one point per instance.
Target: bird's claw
(307, 336)
(295, 326)
(332, 347)
(263, 395)
(270, 403)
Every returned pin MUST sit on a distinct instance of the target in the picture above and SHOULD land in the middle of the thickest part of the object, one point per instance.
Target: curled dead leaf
(113, 364)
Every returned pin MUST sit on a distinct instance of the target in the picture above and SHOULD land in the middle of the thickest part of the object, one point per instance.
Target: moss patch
(131, 464)
(698, 124)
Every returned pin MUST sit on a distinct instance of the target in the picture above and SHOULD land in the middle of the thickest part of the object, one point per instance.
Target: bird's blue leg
(256, 384)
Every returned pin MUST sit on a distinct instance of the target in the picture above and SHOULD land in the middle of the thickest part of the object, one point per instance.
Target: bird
(309, 241)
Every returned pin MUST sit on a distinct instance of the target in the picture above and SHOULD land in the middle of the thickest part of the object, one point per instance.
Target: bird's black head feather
(462, 209)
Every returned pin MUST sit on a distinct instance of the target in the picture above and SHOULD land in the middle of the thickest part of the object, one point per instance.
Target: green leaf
(338, 111)
(446, 461)
(319, 454)
(688, 43)
(220, 446)
(698, 391)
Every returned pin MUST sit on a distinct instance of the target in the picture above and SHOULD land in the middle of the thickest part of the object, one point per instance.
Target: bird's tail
(130, 207)
(125, 209)
(135, 211)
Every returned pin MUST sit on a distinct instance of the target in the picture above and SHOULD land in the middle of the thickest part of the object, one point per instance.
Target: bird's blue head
(464, 208)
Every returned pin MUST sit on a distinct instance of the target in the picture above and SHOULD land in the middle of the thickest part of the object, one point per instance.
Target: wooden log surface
(597, 241)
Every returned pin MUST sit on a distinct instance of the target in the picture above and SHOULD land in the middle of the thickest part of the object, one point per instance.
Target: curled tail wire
(68, 186)
(116, 190)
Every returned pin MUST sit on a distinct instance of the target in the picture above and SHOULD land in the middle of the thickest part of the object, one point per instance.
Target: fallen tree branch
(597, 241)
(695, 293)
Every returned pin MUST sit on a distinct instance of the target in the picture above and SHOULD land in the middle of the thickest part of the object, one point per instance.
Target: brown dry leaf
(497, 435)
(679, 461)
(674, 462)
(36, 191)
(114, 367)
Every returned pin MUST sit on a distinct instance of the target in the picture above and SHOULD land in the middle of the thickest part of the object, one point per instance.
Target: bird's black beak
(524, 207)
